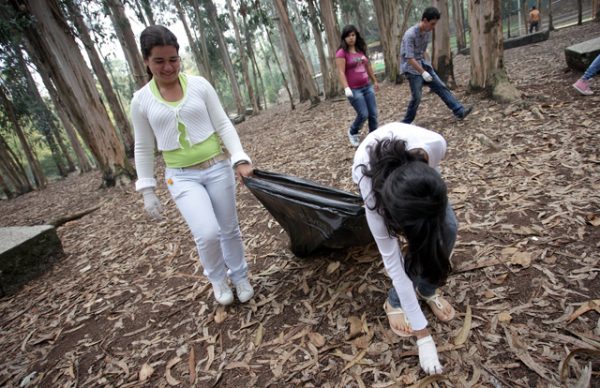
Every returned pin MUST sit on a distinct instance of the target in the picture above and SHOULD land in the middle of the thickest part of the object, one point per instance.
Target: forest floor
(128, 305)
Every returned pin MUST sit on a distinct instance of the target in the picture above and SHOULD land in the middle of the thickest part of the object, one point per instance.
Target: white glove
(152, 204)
(426, 76)
(428, 357)
(348, 92)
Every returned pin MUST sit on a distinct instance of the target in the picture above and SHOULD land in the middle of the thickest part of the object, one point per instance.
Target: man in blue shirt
(418, 69)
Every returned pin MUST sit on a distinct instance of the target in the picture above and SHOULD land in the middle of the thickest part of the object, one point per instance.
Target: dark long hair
(153, 36)
(412, 199)
(360, 44)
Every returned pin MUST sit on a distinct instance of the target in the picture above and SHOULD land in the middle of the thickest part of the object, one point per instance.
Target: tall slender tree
(111, 97)
(316, 30)
(13, 170)
(332, 32)
(459, 24)
(487, 63)
(193, 45)
(243, 58)
(392, 18)
(305, 82)
(53, 49)
(122, 27)
(211, 9)
(203, 41)
(441, 58)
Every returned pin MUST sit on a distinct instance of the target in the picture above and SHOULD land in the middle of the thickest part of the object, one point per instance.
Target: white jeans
(206, 200)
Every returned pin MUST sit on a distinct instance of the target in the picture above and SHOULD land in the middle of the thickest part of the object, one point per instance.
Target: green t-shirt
(188, 154)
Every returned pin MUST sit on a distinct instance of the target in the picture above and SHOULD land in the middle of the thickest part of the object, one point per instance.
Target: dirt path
(128, 302)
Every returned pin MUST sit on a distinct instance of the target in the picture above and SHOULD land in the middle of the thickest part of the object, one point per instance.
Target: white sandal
(393, 311)
(436, 304)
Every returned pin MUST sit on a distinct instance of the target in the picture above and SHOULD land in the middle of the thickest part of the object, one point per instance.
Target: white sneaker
(244, 290)
(222, 292)
(354, 139)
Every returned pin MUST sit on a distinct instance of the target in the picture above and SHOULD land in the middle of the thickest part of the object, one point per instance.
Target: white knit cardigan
(200, 111)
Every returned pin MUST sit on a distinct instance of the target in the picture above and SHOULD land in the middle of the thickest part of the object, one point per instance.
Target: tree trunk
(203, 44)
(148, 11)
(524, 16)
(579, 12)
(54, 49)
(300, 27)
(193, 45)
(487, 65)
(333, 40)
(63, 148)
(212, 14)
(127, 41)
(595, 10)
(13, 169)
(251, 54)
(392, 18)
(82, 159)
(459, 24)
(550, 21)
(243, 58)
(44, 118)
(441, 59)
(316, 29)
(111, 97)
(34, 164)
(307, 89)
(285, 82)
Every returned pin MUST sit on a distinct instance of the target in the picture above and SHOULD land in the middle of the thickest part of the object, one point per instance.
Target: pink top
(356, 68)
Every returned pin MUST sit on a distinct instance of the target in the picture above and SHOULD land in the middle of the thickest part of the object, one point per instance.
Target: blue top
(414, 45)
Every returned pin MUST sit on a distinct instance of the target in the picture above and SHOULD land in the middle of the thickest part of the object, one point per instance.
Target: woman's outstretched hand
(152, 204)
(243, 171)
(428, 357)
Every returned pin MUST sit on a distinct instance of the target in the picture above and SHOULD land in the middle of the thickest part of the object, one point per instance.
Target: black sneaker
(465, 112)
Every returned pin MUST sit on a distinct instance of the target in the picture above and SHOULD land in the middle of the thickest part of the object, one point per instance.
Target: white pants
(206, 200)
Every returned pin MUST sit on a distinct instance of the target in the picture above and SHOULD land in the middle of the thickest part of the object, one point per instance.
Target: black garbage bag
(313, 215)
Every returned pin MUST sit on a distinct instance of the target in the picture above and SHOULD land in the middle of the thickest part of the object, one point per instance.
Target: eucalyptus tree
(122, 27)
(317, 28)
(121, 119)
(306, 85)
(214, 18)
(243, 57)
(332, 32)
(441, 58)
(250, 28)
(392, 18)
(487, 63)
(203, 41)
(459, 23)
(52, 47)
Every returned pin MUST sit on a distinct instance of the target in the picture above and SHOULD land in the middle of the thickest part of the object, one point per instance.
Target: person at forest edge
(397, 170)
(418, 70)
(354, 72)
(534, 19)
(183, 114)
(583, 84)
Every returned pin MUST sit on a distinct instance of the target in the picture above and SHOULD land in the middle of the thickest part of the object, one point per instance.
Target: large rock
(26, 252)
(580, 55)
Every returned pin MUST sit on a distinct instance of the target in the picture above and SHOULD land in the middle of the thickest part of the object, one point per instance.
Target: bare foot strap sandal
(397, 318)
(438, 306)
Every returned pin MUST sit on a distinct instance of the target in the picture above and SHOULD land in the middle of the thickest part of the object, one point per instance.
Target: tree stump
(580, 55)
(25, 253)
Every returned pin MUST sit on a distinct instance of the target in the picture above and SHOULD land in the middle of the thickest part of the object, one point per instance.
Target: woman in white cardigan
(184, 117)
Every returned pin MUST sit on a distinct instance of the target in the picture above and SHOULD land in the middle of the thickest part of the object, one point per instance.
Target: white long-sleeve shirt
(199, 110)
(389, 247)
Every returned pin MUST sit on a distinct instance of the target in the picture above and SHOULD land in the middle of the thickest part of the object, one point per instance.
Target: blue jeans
(592, 69)
(365, 105)
(437, 86)
(425, 288)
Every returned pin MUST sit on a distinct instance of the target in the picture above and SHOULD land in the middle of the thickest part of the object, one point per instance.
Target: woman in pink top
(354, 72)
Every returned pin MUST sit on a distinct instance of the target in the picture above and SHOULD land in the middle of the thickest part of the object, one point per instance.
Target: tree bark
(13, 169)
(243, 58)
(54, 49)
(251, 53)
(306, 84)
(333, 34)
(80, 154)
(392, 18)
(203, 44)
(285, 82)
(237, 95)
(193, 44)
(579, 12)
(127, 41)
(459, 24)
(148, 11)
(316, 29)
(121, 119)
(34, 164)
(441, 58)
(487, 64)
